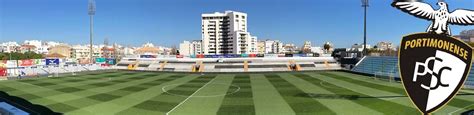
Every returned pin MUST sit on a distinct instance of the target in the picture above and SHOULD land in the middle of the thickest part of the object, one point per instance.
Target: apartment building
(273, 47)
(226, 33)
(190, 48)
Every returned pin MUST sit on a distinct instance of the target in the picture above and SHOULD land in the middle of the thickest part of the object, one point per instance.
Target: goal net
(385, 76)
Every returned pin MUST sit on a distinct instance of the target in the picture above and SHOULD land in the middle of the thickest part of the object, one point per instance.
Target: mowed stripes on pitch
(165, 102)
(64, 95)
(124, 92)
(461, 101)
(32, 88)
(372, 102)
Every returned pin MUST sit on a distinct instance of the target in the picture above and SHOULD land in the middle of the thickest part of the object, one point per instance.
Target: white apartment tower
(226, 33)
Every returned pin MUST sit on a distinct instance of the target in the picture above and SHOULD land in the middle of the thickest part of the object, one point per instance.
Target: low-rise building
(27, 48)
(467, 35)
(273, 47)
(190, 48)
(185, 48)
(260, 47)
(306, 47)
(385, 46)
(318, 50)
(359, 47)
(108, 52)
(129, 50)
(60, 50)
(290, 48)
(9, 47)
(147, 48)
(80, 52)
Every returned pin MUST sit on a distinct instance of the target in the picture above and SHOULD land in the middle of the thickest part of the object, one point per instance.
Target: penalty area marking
(167, 113)
(322, 84)
(215, 95)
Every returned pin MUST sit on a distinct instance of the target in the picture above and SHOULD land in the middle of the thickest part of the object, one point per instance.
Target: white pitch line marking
(190, 96)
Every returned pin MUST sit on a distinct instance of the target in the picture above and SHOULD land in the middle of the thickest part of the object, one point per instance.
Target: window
(243, 17)
(237, 16)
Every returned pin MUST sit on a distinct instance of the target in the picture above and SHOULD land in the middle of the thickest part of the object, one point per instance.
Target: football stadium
(221, 67)
(250, 85)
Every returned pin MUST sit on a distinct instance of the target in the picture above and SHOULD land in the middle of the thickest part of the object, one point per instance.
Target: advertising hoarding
(52, 61)
(3, 68)
(3, 64)
(200, 56)
(99, 60)
(11, 64)
(111, 61)
(3, 71)
(27, 62)
(148, 56)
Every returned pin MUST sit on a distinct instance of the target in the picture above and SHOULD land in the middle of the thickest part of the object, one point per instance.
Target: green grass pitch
(131, 93)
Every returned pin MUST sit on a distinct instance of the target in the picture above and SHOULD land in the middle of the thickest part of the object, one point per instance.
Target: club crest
(434, 66)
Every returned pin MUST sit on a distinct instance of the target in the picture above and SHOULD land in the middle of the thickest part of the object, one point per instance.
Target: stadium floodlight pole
(365, 4)
(91, 15)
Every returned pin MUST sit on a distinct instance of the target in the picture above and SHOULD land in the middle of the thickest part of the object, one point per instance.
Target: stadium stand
(388, 66)
(470, 80)
(382, 66)
(231, 64)
(53, 70)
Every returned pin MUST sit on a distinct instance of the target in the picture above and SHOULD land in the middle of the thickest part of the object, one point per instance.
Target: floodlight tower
(91, 15)
(365, 4)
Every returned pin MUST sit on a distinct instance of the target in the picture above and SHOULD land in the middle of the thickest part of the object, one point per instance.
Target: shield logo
(433, 67)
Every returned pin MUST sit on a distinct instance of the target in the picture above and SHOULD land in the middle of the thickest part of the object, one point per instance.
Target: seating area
(35, 71)
(388, 66)
(383, 66)
(230, 64)
(470, 80)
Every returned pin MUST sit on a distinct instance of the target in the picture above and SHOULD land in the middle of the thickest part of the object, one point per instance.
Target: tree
(173, 50)
(3, 56)
(327, 46)
(20, 56)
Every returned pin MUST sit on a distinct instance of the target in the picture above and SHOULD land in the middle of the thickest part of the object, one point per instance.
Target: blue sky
(169, 22)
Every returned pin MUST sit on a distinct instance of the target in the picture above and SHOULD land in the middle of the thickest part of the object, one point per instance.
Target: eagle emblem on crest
(440, 18)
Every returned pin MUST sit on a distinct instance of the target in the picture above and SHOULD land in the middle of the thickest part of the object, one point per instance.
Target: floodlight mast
(365, 4)
(91, 15)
